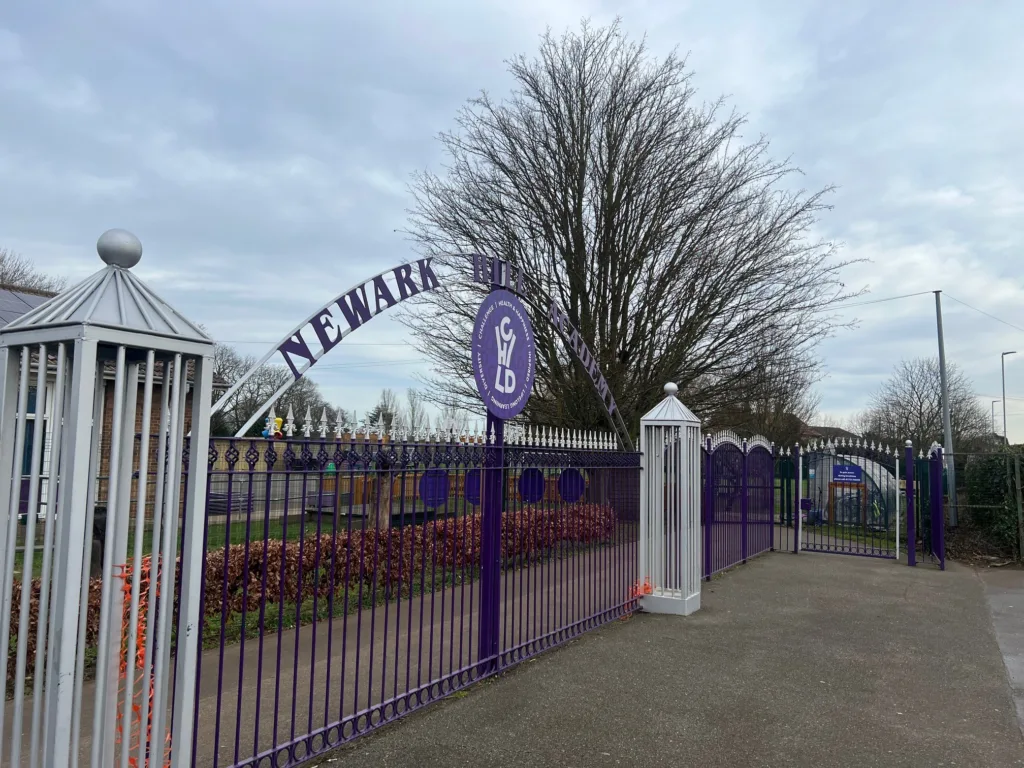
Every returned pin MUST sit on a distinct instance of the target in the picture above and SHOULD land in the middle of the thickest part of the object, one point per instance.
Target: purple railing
(738, 503)
(348, 583)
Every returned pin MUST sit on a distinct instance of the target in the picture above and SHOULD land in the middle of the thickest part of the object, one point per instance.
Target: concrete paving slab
(795, 660)
(1004, 589)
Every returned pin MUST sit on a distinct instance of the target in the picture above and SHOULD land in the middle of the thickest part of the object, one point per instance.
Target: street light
(994, 417)
(1002, 360)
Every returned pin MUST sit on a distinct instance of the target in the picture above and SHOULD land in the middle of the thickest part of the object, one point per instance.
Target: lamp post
(1002, 360)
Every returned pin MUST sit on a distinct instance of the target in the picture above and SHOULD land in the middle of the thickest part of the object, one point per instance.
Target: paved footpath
(1004, 588)
(795, 660)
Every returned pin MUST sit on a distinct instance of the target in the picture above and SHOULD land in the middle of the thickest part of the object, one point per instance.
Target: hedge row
(406, 560)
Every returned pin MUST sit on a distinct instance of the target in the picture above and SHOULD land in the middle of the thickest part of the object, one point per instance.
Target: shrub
(991, 500)
(398, 560)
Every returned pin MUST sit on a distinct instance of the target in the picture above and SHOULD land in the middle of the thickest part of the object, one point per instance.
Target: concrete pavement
(807, 660)
(1004, 589)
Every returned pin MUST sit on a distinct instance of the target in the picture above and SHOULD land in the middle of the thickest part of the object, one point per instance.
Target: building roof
(826, 433)
(15, 302)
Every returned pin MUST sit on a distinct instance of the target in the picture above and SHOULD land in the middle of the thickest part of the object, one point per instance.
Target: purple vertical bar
(490, 546)
(771, 503)
(332, 587)
(708, 511)
(318, 548)
(911, 474)
(262, 624)
(224, 604)
(744, 500)
(797, 485)
(245, 602)
(300, 590)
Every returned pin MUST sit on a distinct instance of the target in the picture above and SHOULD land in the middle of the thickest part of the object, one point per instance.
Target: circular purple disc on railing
(434, 488)
(473, 487)
(571, 485)
(531, 485)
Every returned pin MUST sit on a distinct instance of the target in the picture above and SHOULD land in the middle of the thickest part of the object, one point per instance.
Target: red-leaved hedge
(413, 556)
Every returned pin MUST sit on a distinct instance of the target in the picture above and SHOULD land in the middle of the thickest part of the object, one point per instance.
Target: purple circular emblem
(504, 354)
(531, 485)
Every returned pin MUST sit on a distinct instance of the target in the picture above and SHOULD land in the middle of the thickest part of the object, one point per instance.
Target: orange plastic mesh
(135, 669)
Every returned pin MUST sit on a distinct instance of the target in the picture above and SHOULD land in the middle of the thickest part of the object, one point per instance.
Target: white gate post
(670, 533)
(110, 330)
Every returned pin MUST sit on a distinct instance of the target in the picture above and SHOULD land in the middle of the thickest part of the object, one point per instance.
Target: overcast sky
(261, 151)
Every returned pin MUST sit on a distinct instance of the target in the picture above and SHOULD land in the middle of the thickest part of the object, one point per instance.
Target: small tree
(908, 406)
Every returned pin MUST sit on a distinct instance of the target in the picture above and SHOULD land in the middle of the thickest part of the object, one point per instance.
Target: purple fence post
(771, 517)
(908, 460)
(797, 488)
(744, 502)
(490, 547)
(938, 514)
(709, 495)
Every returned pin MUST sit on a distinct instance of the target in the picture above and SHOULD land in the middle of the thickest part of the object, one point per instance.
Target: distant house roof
(15, 302)
(825, 433)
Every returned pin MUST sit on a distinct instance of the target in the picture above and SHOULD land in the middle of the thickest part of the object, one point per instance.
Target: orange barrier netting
(138, 687)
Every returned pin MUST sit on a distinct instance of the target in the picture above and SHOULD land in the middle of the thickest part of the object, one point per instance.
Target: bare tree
(260, 387)
(908, 406)
(18, 272)
(454, 420)
(388, 410)
(678, 251)
(415, 417)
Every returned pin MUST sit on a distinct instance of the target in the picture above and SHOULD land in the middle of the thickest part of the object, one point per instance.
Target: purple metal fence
(739, 502)
(348, 583)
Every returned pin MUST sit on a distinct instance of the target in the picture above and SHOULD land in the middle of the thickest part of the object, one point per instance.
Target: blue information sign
(847, 473)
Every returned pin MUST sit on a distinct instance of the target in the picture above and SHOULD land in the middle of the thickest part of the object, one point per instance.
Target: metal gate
(851, 499)
(739, 482)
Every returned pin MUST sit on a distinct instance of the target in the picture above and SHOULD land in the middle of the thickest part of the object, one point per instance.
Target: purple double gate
(348, 583)
(738, 507)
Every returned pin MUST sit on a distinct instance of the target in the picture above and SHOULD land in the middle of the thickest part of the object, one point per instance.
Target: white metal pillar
(111, 325)
(670, 531)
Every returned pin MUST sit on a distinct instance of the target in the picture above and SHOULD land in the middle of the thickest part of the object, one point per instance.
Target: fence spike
(307, 423)
(323, 423)
(289, 422)
(269, 426)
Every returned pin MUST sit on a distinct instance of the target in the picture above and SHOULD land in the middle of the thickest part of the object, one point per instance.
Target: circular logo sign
(504, 354)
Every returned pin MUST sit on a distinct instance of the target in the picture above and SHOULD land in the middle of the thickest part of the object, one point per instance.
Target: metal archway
(353, 308)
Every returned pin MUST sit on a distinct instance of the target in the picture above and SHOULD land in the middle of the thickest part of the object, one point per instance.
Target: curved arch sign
(323, 330)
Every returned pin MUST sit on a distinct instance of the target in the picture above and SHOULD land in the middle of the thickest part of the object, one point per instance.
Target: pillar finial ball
(119, 248)
(671, 389)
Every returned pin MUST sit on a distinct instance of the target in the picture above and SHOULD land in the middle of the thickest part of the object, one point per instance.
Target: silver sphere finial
(119, 248)
(671, 389)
